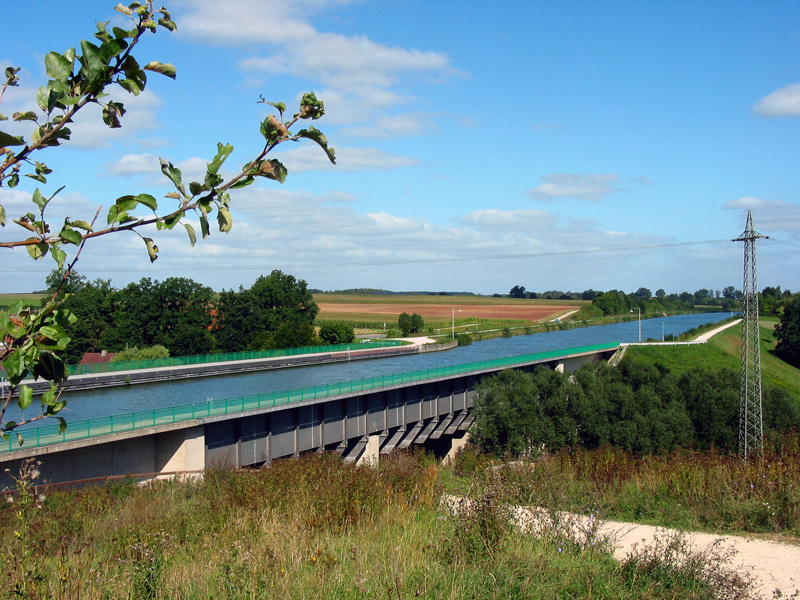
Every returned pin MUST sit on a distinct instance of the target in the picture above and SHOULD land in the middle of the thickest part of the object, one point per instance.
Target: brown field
(516, 312)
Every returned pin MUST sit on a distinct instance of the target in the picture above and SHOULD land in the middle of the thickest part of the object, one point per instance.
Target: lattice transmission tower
(751, 431)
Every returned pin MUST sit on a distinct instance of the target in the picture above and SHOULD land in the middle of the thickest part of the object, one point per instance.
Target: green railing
(179, 361)
(162, 416)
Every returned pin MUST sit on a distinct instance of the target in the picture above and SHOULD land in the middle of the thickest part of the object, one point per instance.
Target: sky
(554, 145)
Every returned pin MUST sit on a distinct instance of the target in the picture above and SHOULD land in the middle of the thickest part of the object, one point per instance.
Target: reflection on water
(100, 403)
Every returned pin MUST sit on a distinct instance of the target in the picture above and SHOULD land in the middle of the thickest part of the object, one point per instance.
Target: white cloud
(310, 157)
(133, 164)
(408, 124)
(89, 131)
(784, 102)
(575, 186)
(769, 215)
(526, 221)
(358, 78)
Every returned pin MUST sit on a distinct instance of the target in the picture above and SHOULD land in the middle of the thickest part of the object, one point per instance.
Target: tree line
(187, 318)
(636, 406)
(726, 298)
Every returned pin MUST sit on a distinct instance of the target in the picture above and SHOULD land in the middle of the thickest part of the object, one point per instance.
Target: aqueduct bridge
(360, 419)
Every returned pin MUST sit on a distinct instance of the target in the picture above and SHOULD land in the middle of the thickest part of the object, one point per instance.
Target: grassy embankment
(724, 350)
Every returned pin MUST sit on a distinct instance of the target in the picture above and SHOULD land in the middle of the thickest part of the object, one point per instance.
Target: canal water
(104, 402)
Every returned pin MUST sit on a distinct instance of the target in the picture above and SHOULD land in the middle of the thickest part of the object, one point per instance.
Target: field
(29, 299)
(372, 310)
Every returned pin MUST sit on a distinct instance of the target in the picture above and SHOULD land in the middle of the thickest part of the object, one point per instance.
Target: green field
(7, 300)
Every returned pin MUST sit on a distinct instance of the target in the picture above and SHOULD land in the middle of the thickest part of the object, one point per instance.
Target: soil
(494, 311)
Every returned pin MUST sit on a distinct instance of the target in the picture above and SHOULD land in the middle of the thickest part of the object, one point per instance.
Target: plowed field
(440, 311)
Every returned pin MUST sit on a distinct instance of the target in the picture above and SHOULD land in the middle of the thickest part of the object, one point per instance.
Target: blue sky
(567, 146)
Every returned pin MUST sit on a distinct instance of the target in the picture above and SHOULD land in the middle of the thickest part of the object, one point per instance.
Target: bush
(464, 339)
(337, 332)
(134, 353)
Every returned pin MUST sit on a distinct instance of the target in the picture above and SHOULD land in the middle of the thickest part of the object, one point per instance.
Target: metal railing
(78, 430)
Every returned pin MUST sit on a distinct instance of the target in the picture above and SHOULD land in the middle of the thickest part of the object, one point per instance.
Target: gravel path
(773, 565)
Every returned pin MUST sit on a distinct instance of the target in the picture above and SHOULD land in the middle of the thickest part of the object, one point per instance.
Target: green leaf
(223, 152)
(50, 367)
(205, 230)
(314, 134)
(121, 8)
(190, 231)
(38, 199)
(279, 105)
(71, 236)
(10, 140)
(168, 24)
(58, 255)
(25, 397)
(163, 68)
(62, 425)
(56, 407)
(20, 439)
(57, 66)
(173, 173)
(2, 216)
(152, 249)
(224, 219)
(13, 181)
(131, 86)
(37, 251)
(169, 222)
(81, 225)
(148, 200)
(94, 63)
(26, 116)
(245, 181)
(310, 107)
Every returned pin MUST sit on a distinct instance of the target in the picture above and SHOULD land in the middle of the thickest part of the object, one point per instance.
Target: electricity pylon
(751, 430)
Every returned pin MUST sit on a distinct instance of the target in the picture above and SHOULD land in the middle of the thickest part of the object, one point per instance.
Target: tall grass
(316, 528)
(685, 489)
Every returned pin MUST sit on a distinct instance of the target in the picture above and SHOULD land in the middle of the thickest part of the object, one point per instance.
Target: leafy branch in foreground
(31, 341)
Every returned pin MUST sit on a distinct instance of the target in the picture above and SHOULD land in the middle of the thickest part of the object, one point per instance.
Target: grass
(724, 350)
(34, 300)
(318, 528)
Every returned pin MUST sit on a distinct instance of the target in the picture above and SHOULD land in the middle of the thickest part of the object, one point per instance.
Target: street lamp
(454, 320)
(640, 322)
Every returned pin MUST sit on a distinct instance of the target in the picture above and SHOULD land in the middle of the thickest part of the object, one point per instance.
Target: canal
(104, 402)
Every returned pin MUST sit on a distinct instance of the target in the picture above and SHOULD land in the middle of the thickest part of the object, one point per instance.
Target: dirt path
(773, 565)
(709, 334)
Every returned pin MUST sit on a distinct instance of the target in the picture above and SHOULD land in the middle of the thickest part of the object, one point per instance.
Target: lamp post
(640, 322)
(453, 329)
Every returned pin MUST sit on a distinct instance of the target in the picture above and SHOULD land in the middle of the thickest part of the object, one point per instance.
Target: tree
(788, 333)
(518, 291)
(34, 341)
(337, 332)
(408, 324)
